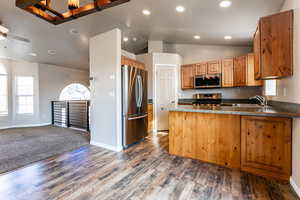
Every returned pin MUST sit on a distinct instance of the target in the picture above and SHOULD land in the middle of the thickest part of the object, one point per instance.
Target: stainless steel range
(209, 100)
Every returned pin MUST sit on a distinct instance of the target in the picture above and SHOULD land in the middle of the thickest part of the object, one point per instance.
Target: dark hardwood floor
(145, 171)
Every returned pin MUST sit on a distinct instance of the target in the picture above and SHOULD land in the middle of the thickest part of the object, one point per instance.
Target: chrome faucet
(262, 100)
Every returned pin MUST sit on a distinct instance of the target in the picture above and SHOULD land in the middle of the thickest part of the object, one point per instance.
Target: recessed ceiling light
(51, 52)
(225, 4)
(197, 37)
(33, 54)
(146, 12)
(180, 9)
(125, 39)
(227, 37)
(2, 37)
(3, 29)
(134, 39)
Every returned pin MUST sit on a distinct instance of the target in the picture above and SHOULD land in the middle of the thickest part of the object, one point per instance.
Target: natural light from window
(75, 91)
(270, 88)
(25, 94)
(3, 91)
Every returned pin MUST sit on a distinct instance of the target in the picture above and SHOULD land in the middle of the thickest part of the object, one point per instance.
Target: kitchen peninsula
(254, 139)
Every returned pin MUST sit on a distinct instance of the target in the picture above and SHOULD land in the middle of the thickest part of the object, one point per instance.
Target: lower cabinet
(150, 117)
(266, 146)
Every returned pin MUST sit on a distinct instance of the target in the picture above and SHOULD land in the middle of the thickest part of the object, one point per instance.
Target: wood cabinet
(239, 71)
(214, 67)
(212, 138)
(131, 62)
(187, 76)
(250, 76)
(150, 117)
(273, 46)
(266, 146)
(227, 73)
(256, 50)
(201, 68)
(236, 72)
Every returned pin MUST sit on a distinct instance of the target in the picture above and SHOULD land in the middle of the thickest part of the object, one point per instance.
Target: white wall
(105, 68)
(52, 80)
(20, 68)
(147, 59)
(291, 85)
(49, 82)
(198, 53)
(155, 46)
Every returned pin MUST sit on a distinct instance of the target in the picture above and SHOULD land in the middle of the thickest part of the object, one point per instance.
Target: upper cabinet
(256, 49)
(236, 72)
(250, 76)
(227, 73)
(239, 71)
(131, 62)
(201, 68)
(273, 46)
(187, 76)
(214, 67)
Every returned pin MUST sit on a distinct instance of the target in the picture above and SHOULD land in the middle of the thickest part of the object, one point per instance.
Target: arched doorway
(75, 91)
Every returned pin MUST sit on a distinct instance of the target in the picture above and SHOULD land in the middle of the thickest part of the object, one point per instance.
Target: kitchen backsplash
(227, 93)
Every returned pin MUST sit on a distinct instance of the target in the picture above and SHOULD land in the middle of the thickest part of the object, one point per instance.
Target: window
(3, 91)
(270, 88)
(75, 92)
(25, 94)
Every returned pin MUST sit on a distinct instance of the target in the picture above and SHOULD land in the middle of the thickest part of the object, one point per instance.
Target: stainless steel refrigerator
(134, 105)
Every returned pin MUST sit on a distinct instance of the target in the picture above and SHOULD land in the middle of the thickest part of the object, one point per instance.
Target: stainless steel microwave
(208, 81)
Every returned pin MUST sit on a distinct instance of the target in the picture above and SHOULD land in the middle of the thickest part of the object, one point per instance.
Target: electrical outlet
(284, 92)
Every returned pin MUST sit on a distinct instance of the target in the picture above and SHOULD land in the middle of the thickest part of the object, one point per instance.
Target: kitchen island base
(259, 145)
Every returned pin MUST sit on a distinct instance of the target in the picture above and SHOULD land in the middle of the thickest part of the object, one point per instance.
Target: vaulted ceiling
(70, 40)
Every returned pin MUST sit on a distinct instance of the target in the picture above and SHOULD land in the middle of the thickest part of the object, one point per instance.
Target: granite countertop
(249, 111)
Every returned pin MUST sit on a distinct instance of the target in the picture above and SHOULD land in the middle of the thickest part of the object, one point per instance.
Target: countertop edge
(244, 113)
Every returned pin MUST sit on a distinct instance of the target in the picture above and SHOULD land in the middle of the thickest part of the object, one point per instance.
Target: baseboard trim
(106, 146)
(24, 126)
(295, 186)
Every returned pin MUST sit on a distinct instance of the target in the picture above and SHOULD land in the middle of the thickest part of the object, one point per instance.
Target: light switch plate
(112, 93)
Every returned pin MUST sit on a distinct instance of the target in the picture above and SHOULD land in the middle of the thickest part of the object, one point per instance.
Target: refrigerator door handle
(141, 101)
(137, 91)
(141, 91)
(139, 117)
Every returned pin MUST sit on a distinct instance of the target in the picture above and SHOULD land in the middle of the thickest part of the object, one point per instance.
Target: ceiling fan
(4, 34)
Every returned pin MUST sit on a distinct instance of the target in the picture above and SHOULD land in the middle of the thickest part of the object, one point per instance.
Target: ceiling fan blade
(14, 37)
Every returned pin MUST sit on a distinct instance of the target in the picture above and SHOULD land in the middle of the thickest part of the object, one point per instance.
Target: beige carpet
(22, 146)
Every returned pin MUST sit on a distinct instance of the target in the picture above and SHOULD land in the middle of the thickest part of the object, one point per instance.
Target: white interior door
(165, 94)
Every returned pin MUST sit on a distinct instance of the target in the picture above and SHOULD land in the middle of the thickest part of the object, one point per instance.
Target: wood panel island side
(257, 144)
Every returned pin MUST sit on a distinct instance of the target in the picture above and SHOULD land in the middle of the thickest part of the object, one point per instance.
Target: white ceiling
(202, 17)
